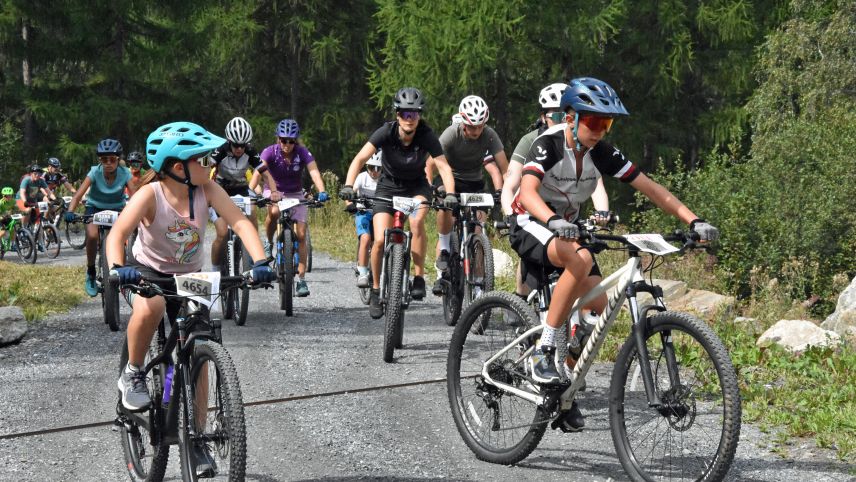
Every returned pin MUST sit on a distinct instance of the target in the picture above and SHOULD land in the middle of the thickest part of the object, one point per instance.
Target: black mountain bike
(75, 231)
(45, 233)
(196, 395)
(109, 294)
(236, 301)
(470, 271)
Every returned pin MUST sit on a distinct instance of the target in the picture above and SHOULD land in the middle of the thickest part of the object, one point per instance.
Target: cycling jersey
(365, 186)
(6, 206)
(468, 156)
(231, 170)
(553, 162)
(32, 189)
(524, 144)
(287, 172)
(54, 179)
(405, 163)
(107, 196)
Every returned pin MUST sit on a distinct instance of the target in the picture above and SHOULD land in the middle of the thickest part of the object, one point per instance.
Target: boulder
(703, 303)
(503, 264)
(671, 290)
(797, 335)
(13, 326)
(844, 315)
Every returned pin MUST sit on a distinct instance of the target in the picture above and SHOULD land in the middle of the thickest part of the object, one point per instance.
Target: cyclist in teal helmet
(171, 213)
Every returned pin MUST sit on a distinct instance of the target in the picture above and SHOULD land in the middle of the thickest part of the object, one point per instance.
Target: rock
(797, 335)
(749, 324)
(503, 264)
(13, 326)
(844, 315)
(703, 303)
(671, 290)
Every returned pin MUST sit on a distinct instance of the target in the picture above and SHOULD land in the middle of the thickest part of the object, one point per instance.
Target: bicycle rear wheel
(144, 461)
(497, 426)
(50, 238)
(25, 245)
(452, 299)
(694, 435)
(480, 278)
(308, 250)
(219, 410)
(75, 234)
(242, 295)
(394, 293)
(109, 291)
(285, 270)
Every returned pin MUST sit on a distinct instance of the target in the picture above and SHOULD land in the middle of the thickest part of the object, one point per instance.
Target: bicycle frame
(396, 235)
(466, 224)
(622, 284)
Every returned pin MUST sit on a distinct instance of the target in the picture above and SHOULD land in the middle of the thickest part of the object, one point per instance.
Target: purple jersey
(286, 172)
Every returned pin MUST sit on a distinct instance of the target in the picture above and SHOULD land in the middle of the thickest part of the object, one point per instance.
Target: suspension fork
(639, 333)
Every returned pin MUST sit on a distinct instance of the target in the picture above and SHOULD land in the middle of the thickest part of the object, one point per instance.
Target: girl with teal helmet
(170, 214)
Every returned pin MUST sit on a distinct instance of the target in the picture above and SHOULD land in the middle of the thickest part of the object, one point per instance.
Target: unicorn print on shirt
(188, 239)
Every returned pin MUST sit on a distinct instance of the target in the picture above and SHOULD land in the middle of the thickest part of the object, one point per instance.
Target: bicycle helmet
(179, 140)
(8, 191)
(587, 94)
(35, 168)
(239, 131)
(135, 156)
(409, 98)
(54, 162)
(109, 147)
(551, 96)
(288, 128)
(375, 160)
(474, 111)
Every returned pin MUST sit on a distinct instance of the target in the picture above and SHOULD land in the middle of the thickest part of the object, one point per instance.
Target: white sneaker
(135, 394)
(363, 281)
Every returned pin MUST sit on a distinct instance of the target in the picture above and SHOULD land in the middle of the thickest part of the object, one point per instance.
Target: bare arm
(139, 207)
(70, 187)
(84, 186)
(358, 162)
(664, 199)
(315, 174)
(501, 161)
(510, 185)
(599, 198)
(243, 227)
(495, 176)
(445, 173)
(429, 170)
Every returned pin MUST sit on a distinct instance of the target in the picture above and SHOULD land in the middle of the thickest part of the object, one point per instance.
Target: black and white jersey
(231, 170)
(553, 162)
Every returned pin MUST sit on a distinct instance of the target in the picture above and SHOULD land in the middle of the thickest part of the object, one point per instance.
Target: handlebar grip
(500, 225)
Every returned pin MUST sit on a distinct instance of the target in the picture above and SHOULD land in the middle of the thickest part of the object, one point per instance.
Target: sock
(90, 270)
(131, 368)
(548, 336)
(363, 270)
(444, 241)
(296, 278)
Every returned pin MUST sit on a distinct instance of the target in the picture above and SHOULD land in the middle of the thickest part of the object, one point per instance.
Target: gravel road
(64, 374)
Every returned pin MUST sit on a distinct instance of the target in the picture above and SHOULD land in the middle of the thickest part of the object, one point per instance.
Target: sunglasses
(373, 168)
(205, 161)
(557, 117)
(470, 128)
(135, 165)
(108, 159)
(596, 123)
(409, 115)
(287, 140)
(238, 146)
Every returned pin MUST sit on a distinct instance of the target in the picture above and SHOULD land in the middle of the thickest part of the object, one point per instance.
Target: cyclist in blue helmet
(560, 172)
(171, 212)
(106, 184)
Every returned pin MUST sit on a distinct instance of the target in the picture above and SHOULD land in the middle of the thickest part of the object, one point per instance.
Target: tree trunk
(27, 75)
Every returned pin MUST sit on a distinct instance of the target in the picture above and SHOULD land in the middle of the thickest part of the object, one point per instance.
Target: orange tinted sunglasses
(596, 123)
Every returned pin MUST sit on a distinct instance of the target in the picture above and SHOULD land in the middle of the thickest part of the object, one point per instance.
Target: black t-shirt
(54, 179)
(406, 163)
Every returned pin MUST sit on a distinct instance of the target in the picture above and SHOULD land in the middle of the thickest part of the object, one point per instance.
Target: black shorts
(172, 304)
(530, 243)
(388, 187)
(462, 186)
(235, 189)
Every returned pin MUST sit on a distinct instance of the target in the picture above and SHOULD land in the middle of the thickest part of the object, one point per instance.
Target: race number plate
(476, 199)
(105, 218)
(243, 203)
(651, 243)
(17, 217)
(407, 205)
(43, 206)
(202, 287)
(287, 203)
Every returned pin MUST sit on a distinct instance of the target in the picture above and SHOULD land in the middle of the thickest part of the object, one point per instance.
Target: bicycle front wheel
(285, 270)
(75, 234)
(218, 423)
(394, 296)
(694, 434)
(25, 245)
(452, 299)
(308, 251)
(50, 238)
(480, 276)
(498, 426)
(109, 291)
(242, 296)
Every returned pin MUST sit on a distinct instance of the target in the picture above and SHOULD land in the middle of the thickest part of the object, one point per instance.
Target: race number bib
(105, 218)
(202, 287)
(243, 203)
(476, 199)
(43, 206)
(287, 203)
(407, 205)
(17, 217)
(651, 243)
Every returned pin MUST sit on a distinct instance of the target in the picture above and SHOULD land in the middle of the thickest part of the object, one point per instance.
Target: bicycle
(364, 292)
(186, 368)
(674, 403)
(109, 294)
(18, 239)
(75, 233)
(45, 233)
(286, 258)
(470, 269)
(235, 302)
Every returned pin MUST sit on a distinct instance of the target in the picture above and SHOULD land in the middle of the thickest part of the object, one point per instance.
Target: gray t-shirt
(524, 145)
(466, 156)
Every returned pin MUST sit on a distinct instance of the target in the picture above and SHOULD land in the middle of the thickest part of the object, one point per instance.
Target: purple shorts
(298, 213)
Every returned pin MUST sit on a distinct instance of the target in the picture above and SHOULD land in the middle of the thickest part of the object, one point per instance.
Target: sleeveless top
(107, 196)
(172, 243)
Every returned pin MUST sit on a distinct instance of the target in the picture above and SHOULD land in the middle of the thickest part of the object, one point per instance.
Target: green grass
(40, 289)
(798, 396)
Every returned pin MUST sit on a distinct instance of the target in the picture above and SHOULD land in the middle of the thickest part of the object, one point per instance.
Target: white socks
(548, 336)
(363, 270)
(444, 241)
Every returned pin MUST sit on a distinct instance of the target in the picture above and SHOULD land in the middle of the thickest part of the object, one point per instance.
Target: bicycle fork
(395, 235)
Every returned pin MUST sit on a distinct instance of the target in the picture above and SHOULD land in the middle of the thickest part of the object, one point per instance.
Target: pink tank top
(172, 243)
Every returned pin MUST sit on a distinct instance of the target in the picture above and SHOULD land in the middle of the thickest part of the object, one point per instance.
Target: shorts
(462, 186)
(22, 206)
(299, 212)
(90, 210)
(236, 189)
(389, 187)
(363, 221)
(530, 242)
(172, 304)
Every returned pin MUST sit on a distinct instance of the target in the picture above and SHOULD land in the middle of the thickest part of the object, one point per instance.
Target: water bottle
(580, 329)
(167, 385)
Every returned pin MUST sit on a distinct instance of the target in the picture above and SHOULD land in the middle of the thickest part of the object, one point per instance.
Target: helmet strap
(577, 144)
(186, 181)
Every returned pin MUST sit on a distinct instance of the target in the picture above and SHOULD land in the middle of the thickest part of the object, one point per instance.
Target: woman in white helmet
(365, 186)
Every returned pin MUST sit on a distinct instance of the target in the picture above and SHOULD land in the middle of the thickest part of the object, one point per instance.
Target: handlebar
(266, 201)
(148, 287)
